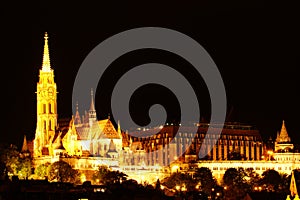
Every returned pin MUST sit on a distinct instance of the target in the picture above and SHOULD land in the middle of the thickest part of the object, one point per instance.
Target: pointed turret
(92, 111)
(77, 119)
(112, 151)
(59, 144)
(25, 149)
(112, 146)
(86, 117)
(283, 135)
(46, 58)
(92, 106)
(283, 141)
(59, 148)
(293, 187)
(119, 128)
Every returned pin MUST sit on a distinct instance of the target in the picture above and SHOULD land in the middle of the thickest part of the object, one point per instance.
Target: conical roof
(46, 58)
(283, 135)
(293, 187)
(112, 147)
(59, 144)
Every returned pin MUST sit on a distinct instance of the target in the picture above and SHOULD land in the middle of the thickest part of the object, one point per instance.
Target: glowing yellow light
(162, 187)
(259, 188)
(270, 152)
(82, 178)
(177, 187)
(225, 188)
(218, 194)
(175, 168)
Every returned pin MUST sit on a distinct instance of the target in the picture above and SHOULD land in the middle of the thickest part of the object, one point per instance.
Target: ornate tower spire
(119, 129)
(46, 105)
(92, 106)
(77, 119)
(46, 58)
(283, 135)
(92, 111)
(24, 147)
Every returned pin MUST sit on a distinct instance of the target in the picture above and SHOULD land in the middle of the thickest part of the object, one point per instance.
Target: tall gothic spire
(293, 187)
(46, 58)
(119, 129)
(77, 119)
(24, 146)
(92, 106)
(92, 112)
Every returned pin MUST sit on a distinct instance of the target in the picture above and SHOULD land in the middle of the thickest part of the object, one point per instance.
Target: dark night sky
(255, 45)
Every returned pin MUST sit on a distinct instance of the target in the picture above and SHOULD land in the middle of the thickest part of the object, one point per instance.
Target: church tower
(283, 141)
(46, 106)
(92, 111)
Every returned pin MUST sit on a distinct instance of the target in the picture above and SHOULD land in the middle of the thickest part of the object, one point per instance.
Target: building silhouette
(85, 142)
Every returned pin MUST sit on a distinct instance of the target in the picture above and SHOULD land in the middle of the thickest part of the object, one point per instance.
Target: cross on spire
(46, 58)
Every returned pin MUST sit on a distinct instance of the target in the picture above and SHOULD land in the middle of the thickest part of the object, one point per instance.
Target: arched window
(45, 124)
(44, 108)
(50, 108)
(50, 124)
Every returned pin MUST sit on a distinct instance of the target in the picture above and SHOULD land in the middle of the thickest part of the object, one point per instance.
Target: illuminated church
(85, 142)
(82, 141)
(76, 137)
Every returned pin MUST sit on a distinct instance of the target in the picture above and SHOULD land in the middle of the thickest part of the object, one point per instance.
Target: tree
(204, 176)
(25, 168)
(63, 172)
(285, 183)
(42, 170)
(114, 177)
(271, 179)
(106, 176)
(99, 175)
(179, 179)
(9, 156)
(253, 177)
(234, 180)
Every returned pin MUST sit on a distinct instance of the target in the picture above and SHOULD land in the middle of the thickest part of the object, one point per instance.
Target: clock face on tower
(43, 93)
(51, 92)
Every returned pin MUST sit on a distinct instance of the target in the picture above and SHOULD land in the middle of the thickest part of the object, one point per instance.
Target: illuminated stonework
(85, 142)
(46, 107)
(283, 141)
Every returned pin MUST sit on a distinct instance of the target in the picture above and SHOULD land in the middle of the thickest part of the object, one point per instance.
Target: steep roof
(107, 130)
(283, 135)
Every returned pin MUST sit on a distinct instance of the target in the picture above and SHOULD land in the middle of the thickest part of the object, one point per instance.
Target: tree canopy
(235, 180)
(63, 172)
(179, 179)
(11, 163)
(106, 176)
(271, 179)
(204, 177)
